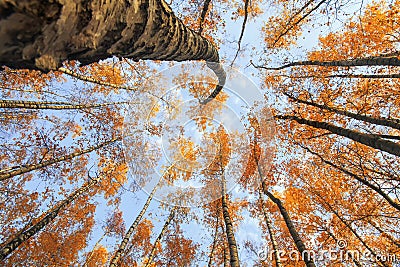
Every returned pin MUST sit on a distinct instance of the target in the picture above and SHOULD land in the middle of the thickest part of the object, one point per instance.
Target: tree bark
(270, 232)
(366, 139)
(41, 34)
(114, 261)
(50, 215)
(288, 221)
(384, 60)
(160, 236)
(376, 188)
(378, 260)
(366, 118)
(215, 238)
(233, 251)
(14, 171)
(51, 105)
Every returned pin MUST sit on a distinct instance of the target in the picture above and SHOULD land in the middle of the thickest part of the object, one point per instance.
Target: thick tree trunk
(41, 34)
(366, 139)
(14, 171)
(270, 232)
(50, 215)
(114, 261)
(233, 251)
(366, 118)
(51, 105)
(160, 236)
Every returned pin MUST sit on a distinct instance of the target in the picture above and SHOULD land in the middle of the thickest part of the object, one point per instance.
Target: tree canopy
(199, 133)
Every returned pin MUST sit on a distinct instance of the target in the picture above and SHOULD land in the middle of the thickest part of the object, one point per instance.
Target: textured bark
(366, 139)
(233, 251)
(288, 221)
(270, 232)
(50, 215)
(14, 171)
(376, 188)
(226, 255)
(114, 261)
(160, 236)
(384, 60)
(50, 105)
(203, 14)
(41, 34)
(366, 118)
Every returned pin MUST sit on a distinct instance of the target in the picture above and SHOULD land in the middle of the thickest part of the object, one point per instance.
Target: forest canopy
(200, 133)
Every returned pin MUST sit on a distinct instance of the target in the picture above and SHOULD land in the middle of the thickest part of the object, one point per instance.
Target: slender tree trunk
(376, 188)
(233, 251)
(160, 236)
(270, 232)
(379, 262)
(14, 171)
(366, 118)
(384, 60)
(92, 80)
(89, 257)
(292, 230)
(114, 261)
(366, 139)
(356, 262)
(388, 236)
(50, 215)
(215, 238)
(51, 105)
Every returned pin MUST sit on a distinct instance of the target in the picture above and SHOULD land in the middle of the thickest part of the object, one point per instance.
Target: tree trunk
(89, 257)
(51, 105)
(384, 60)
(270, 232)
(366, 118)
(114, 261)
(214, 244)
(292, 230)
(50, 215)
(376, 188)
(377, 259)
(41, 34)
(233, 251)
(14, 171)
(385, 234)
(354, 259)
(160, 236)
(366, 139)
